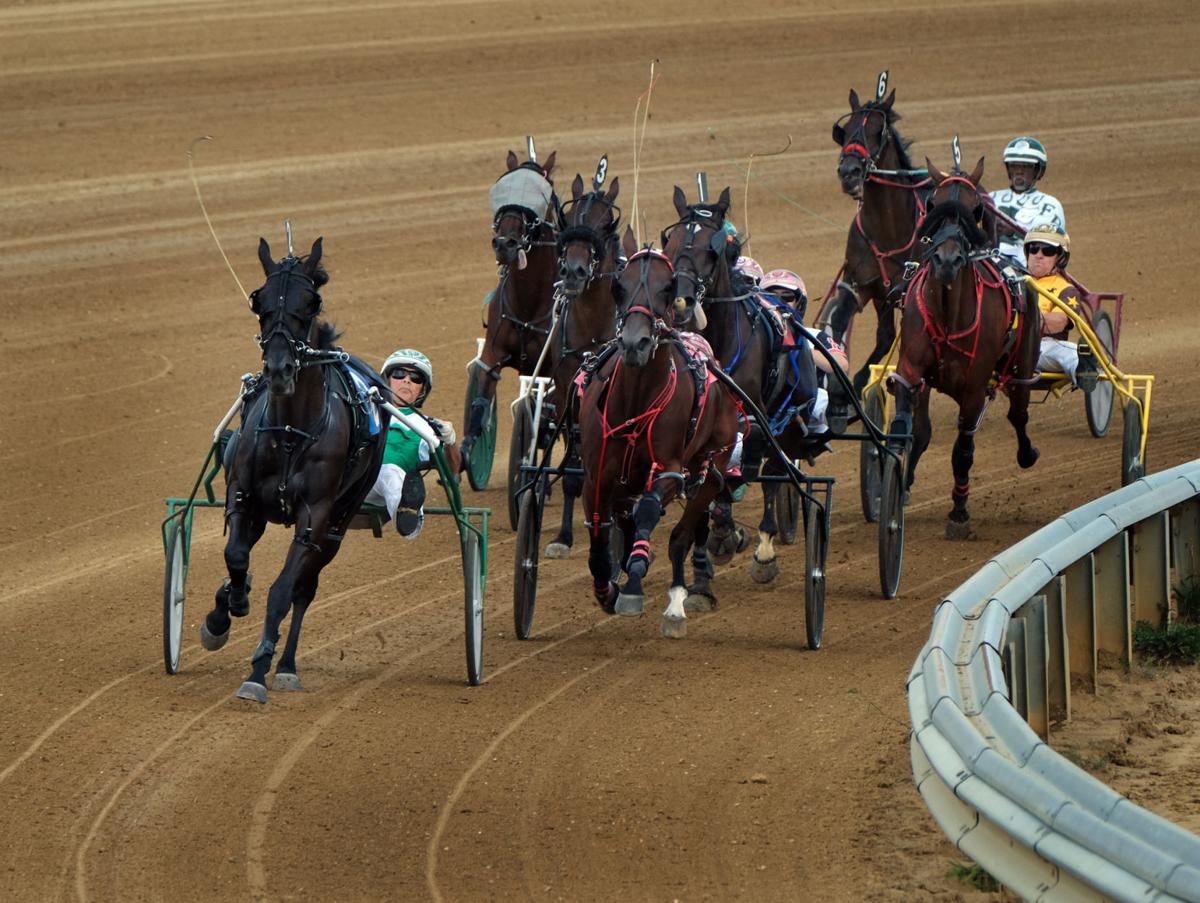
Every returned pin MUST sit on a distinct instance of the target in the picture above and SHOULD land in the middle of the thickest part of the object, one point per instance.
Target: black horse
(308, 453)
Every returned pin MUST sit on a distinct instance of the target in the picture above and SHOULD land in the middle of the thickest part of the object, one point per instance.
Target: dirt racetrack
(598, 761)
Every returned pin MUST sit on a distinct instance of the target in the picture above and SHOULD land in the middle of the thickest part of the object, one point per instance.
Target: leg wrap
(264, 649)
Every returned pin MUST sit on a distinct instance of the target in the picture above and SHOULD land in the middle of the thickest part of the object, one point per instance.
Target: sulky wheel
(816, 540)
(473, 606)
(517, 447)
(787, 513)
(1133, 462)
(483, 452)
(529, 537)
(173, 593)
(1098, 399)
(869, 466)
(891, 526)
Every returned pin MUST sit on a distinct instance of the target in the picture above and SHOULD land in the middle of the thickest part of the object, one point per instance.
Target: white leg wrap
(675, 597)
(766, 548)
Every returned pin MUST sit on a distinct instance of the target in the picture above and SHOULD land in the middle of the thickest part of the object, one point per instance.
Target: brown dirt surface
(598, 761)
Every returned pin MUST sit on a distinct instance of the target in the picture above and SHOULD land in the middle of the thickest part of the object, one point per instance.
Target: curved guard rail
(1041, 612)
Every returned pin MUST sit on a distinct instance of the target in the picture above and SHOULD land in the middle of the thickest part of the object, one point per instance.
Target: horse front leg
(970, 412)
(572, 487)
(646, 514)
(885, 336)
(285, 672)
(683, 537)
(486, 373)
(700, 595)
(765, 567)
(1018, 416)
(304, 560)
(600, 561)
(232, 597)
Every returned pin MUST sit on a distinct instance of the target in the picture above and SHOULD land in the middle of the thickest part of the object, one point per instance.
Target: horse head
(952, 227)
(645, 293)
(514, 224)
(701, 249)
(865, 135)
(287, 305)
(592, 221)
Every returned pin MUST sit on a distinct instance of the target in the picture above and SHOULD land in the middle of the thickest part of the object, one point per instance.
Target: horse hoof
(630, 606)
(558, 550)
(764, 571)
(252, 691)
(958, 529)
(212, 641)
(674, 628)
(741, 539)
(609, 601)
(699, 600)
(1028, 460)
(284, 681)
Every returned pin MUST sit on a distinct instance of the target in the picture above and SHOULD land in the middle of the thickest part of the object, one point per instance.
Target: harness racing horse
(589, 252)
(517, 321)
(874, 168)
(964, 333)
(780, 382)
(307, 456)
(653, 426)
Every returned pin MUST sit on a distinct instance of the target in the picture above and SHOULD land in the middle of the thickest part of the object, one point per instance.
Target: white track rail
(998, 669)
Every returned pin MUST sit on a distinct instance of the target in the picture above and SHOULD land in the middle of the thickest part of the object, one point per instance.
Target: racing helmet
(1049, 234)
(750, 268)
(786, 279)
(411, 358)
(1024, 149)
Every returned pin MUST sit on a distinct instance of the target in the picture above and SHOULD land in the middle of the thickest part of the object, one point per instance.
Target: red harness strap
(880, 254)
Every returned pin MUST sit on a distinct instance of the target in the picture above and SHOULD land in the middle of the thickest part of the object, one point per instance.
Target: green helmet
(410, 357)
(1025, 149)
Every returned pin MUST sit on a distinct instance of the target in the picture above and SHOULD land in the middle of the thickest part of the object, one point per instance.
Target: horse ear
(934, 173)
(264, 257)
(512, 161)
(977, 173)
(855, 105)
(888, 101)
(839, 134)
(680, 202)
(549, 163)
(724, 201)
(613, 189)
(628, 242)
(314, 258)
(577, 186)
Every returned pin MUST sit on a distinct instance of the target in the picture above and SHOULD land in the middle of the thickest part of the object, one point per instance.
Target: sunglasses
(1044, 250)
(413, 376)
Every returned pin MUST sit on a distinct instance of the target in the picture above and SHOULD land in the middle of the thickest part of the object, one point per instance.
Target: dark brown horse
(306, 456)
(518, 315)
(589, 252)
(652, 427)
(964, 333)
(703, 248)
(874, 168)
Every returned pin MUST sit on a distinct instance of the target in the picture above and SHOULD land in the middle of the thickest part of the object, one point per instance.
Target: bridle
(658, 321)
(303, 355)
(577, 210)
(856, 145)
(951, 220)
(690, 274)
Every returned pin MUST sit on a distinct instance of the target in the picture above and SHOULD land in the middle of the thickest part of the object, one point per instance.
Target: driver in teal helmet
(400, 487)
(1022, 201)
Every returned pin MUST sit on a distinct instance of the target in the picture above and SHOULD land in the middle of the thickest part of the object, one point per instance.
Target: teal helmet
(1025, 149)
(415, 360)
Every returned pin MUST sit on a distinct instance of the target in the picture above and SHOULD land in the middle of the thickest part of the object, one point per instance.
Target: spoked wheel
(1098, 400)
(517, 447)
(787, 513)
(870, 466)
(173, 593)
(529, 537)
(891, 527)
(1133, 462)
(816, 540)
(473, 606)
(483, 452)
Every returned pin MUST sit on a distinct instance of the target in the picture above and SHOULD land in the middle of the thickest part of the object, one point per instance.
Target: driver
(1022, 202)
(400, 487)
(1047, 249)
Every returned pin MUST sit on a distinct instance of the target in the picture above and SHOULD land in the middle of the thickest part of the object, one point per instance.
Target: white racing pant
(816, 415)
(386, 491)
(1060, 356)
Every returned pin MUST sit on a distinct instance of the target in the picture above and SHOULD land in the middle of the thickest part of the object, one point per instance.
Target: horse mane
(902, 143)
(327, 335)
